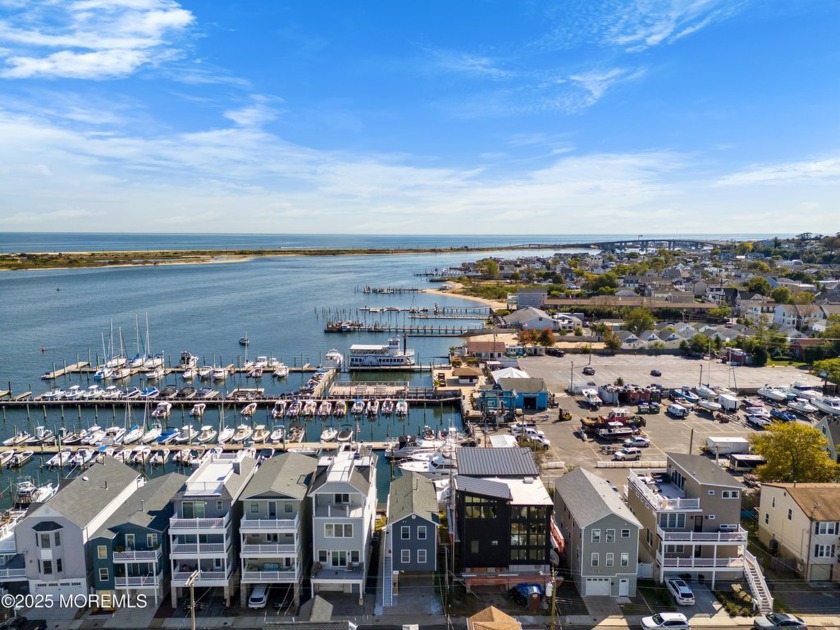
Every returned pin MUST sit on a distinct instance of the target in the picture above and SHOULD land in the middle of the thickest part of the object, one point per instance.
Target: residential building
(800, 523)
(829, 426)
(690, 514)
(275, 535)
(530, 318)
(203, 530)
(343, 496)
(130, 550)
(531, 297)
(601, 534)
(54, 538)
(486, 350)
(411, 533)
(467, 375)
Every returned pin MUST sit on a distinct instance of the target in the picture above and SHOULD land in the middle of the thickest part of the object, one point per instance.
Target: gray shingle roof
(83, 498)
(483, 487)
(590, 498)
(145, 507)
(413, 494)
(704, 470)
(286, 475)
(496, 462)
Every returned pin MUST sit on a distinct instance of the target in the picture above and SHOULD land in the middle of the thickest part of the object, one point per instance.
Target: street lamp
(572, 379)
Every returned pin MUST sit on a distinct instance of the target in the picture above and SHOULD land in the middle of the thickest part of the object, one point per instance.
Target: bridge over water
(641, 242)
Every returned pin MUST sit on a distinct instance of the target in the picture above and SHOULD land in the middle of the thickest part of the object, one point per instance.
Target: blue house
(528, 394)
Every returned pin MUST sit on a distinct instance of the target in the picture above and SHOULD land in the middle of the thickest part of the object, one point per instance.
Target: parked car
(655, 373)
(677, 411)
(627, 453)
(259, 597)
(779, 620)
(588, 370)
(674, 621)
(555, 352)
(681, 592)
(637, 441)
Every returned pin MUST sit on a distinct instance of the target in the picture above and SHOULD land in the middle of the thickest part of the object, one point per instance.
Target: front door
(698, 523)
(623, 587)
(272, 509)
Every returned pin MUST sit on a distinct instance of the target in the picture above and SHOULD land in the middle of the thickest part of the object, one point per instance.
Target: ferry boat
(388, 355)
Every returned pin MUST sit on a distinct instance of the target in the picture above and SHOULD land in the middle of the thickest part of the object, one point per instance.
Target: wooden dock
(410, 331)
(52, 449)
(67, 369)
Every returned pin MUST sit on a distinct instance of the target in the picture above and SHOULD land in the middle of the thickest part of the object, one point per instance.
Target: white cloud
(254, 115)
(813, 170)
(471, 65)
(90, 39)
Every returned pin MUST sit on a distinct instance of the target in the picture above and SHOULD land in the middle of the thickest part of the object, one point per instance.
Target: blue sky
(475, 116)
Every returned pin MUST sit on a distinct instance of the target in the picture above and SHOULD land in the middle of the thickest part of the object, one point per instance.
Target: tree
(794, 452)
(639, 320)
(604, 284)
(489, 268)
(700, 343)
(611, 340)
(758, 284)
(829, 367)
(803, 297)
(781, 295)
(832, 333)
(546, 337)
(720, 312)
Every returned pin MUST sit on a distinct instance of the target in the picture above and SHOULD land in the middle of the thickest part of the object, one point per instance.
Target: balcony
(339, 574)
(267, 549)
(340, 511)
(269, 577)
(138, 581)
(188, 551)
(150, 555)
(199, 524)
(717, 564)
(738, 537)
(205, 578)
(9, 575)
(662, 497)
(272, 525)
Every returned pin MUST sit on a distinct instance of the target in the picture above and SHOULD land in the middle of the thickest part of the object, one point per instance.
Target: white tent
(509, 372)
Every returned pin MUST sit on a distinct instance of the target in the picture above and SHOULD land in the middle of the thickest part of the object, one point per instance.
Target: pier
(411, 331)
(67, 369)
(392, 290)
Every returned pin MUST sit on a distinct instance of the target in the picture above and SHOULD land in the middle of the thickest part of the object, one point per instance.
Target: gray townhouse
(690, 514)
(600, 532)
(411, 533)
(204, 528)
(275, 530)
(129, 553)
(343, 497)
(54, 539)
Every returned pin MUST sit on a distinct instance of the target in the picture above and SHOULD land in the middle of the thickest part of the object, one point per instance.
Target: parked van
(677, 411)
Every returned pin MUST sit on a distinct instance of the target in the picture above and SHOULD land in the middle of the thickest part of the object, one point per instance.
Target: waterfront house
(485, 350)
(531, 297)
(467, 375)
(343, 496)
(130, 550)
(275, 534)
(55, 537)
(530, 318)
(203, 530)
(601, 534)
(690, 513)
(800, 524)
(411, 534)
(528, 393)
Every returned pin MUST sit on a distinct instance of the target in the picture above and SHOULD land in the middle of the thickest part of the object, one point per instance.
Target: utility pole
(191, 583)
(553, 595)
(572, 379)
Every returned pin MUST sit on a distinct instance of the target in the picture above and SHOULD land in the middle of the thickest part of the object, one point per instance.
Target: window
(57, 536)
(730, 494)
(405, 533)
(151, 541)
(322, 556)
(288, 508)
(711, 517)
(255, 507)
(405, 556)
(473, 546)
(45, 541)
(129, 542)
(354, 556)
(609, 560)
(625, 559)
(58, 566)
(596, 535)
(823, 551)
(47, 567)
(339, 558)
(672, 521)
(220, 506)
(103, 575)
(711, 493)
(421, 556)
(826, 527)
(595, 559)
(421, 532)
(767, 518)
(790, 514)
(674, 549)
(773, 502)
(341, 499)
(610, 536)
(101, 551)
(625, 533)
(338, 530)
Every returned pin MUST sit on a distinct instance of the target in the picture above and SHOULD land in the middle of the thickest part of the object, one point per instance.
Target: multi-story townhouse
(600, 532)
(55, 537)
(129, 553)
(690, 515)
(800, 522)
(501, 517)
(203, 530)
(275, 534)
(343, 496)
(411, 534)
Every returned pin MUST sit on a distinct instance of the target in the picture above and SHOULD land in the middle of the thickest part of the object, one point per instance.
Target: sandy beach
(494, 304)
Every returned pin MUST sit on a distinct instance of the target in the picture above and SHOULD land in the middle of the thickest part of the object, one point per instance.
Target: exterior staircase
(387, 581)
(762, 598)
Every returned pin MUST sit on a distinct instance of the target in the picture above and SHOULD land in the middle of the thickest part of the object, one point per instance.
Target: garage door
(597, 586)
(58, 589)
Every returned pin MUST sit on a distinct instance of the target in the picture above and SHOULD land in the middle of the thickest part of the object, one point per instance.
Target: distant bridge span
(642, 242)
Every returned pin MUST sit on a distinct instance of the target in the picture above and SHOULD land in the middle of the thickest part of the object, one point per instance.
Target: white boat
(226, 435)
(205, 371)
(42, 435)
(74, 392)
(56, 393)
(183, 456)
(60, 459)
(188, 435)
(155, 373)
(220, 373)
(325, 409)
(28, 492)
(94, 392)
(103, 373)
(152, 434)
(709, 405)
(279, 409)
(243, 434)
(112, 392)
(761, 412)
(82, 457)
(591, 398)
(198, 409)
(827, 404)
(159, 457)
(278, 434)
(188, 360)
(801, 405)
(387, 355)
(329, 434)
(94, 435)
(188, 374)
(17, 439)
(358, 407)
(281, 370)
(133, 435)
(6, 457)
(210, 453)
(162, 410)
(294, 409)
(249, 410)
(387, 407)
(402, 407)
(771, 393)
(704, 391)
(260, 434)
(121, 373)
(114, 435)
(124, 455)
(345, 434)
(310, 408)
(207, 434)
(437, 466)
(372, 407)
(296, 433)
(333, 359)
(141, 454)
(340, 409)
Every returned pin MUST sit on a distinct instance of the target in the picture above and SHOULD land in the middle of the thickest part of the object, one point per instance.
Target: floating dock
(67, 369)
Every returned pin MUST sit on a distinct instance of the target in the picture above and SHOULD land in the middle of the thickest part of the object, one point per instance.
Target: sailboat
(142, 353)
(225, 432)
